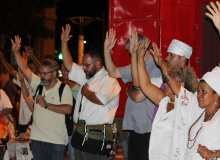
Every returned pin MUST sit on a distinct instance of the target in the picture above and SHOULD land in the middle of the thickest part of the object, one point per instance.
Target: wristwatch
(46, 105)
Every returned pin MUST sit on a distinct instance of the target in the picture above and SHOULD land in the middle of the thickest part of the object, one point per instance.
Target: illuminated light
(60, 56)
(84, 42)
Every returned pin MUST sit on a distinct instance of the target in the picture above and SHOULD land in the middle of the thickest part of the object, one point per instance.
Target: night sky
(93, 33)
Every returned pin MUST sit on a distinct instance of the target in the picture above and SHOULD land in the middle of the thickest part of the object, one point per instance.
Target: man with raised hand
(96, 103)
(24, 112)
(49, 133)
(139, 109)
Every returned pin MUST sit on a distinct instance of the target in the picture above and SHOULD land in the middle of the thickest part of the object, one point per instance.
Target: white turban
(213, 79)
(180, 48)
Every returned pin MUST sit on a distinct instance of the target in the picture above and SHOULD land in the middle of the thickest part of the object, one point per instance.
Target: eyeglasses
(43, 73)
(87, 65)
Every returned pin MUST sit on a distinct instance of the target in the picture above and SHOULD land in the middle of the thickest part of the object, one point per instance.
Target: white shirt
(106, 89)
(189, 111)
(161, 132)
(4, 100)
(24, 113)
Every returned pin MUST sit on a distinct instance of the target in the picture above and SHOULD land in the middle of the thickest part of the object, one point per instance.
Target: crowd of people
(170, 114)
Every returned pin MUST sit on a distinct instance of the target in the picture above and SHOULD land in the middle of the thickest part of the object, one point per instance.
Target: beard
(91, 73)
(45, 82)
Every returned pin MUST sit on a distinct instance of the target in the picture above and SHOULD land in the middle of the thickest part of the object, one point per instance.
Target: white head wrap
(213, 79)
(180, 48)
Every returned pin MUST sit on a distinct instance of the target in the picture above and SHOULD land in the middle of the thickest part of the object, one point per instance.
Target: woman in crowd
(161, 133)
(28, 100)
(197, 116)
(5, 110)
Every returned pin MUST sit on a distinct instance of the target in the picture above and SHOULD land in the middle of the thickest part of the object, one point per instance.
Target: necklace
(194, 139)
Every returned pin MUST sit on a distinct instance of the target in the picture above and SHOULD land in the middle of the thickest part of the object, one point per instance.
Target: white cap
(213, 79)
(180, 48)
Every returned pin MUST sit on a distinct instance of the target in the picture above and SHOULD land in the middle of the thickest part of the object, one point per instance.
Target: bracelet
(215, 154)
(167, 76)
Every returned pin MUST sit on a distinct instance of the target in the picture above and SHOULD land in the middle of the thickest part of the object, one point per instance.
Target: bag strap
(40, 89)
(62, 86)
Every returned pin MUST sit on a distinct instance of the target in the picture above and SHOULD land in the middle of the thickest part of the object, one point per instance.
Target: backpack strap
(40, 89)
(62, 86)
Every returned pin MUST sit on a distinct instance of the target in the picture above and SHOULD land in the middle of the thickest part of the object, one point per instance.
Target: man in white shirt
(96, 103)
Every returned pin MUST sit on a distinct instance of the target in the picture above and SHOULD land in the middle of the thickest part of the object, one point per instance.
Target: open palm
(156, 54)
(16, 45)
(214, 14)
(110, 40)
(65, 37)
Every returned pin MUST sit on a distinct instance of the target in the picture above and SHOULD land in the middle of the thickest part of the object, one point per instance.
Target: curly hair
(186, 75)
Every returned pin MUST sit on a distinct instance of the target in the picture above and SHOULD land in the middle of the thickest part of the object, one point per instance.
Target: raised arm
(21, 64)
(134, 44)
(214, 14)
(30, 54)
(25, 92)
(169, 78)
(108, 46)
(65, 37)
(7, 66)
(154, 93)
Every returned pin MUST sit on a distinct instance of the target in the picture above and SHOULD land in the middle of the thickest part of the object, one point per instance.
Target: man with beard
(48, 134)
(96, 103)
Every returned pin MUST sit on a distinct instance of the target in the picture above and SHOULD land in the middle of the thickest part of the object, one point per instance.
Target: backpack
(68, 117)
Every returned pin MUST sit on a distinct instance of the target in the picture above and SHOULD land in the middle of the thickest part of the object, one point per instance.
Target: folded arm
(135, 94)
(90, 95)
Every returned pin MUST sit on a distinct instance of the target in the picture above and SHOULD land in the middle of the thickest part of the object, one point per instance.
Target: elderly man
(96, 103)
(48, 134)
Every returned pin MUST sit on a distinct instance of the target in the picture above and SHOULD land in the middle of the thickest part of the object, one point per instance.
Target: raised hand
(142, 51)
(16, 45)
(134, 44)
(156, 54)
(110, 40)
(204, 152)
(214, 14)
(28, 51)
(20, 75)
(65, 37)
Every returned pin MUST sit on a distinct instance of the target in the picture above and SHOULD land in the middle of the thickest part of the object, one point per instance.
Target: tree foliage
(25, 17)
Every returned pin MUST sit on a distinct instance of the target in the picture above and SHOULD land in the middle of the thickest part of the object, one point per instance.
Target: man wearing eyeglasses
(96, 103)
(49, 134)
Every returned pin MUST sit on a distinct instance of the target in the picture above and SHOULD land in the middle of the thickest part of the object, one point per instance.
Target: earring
(215, 103)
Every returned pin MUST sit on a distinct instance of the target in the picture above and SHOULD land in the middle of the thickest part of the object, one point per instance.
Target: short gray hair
(141, 38)
(53, 65)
